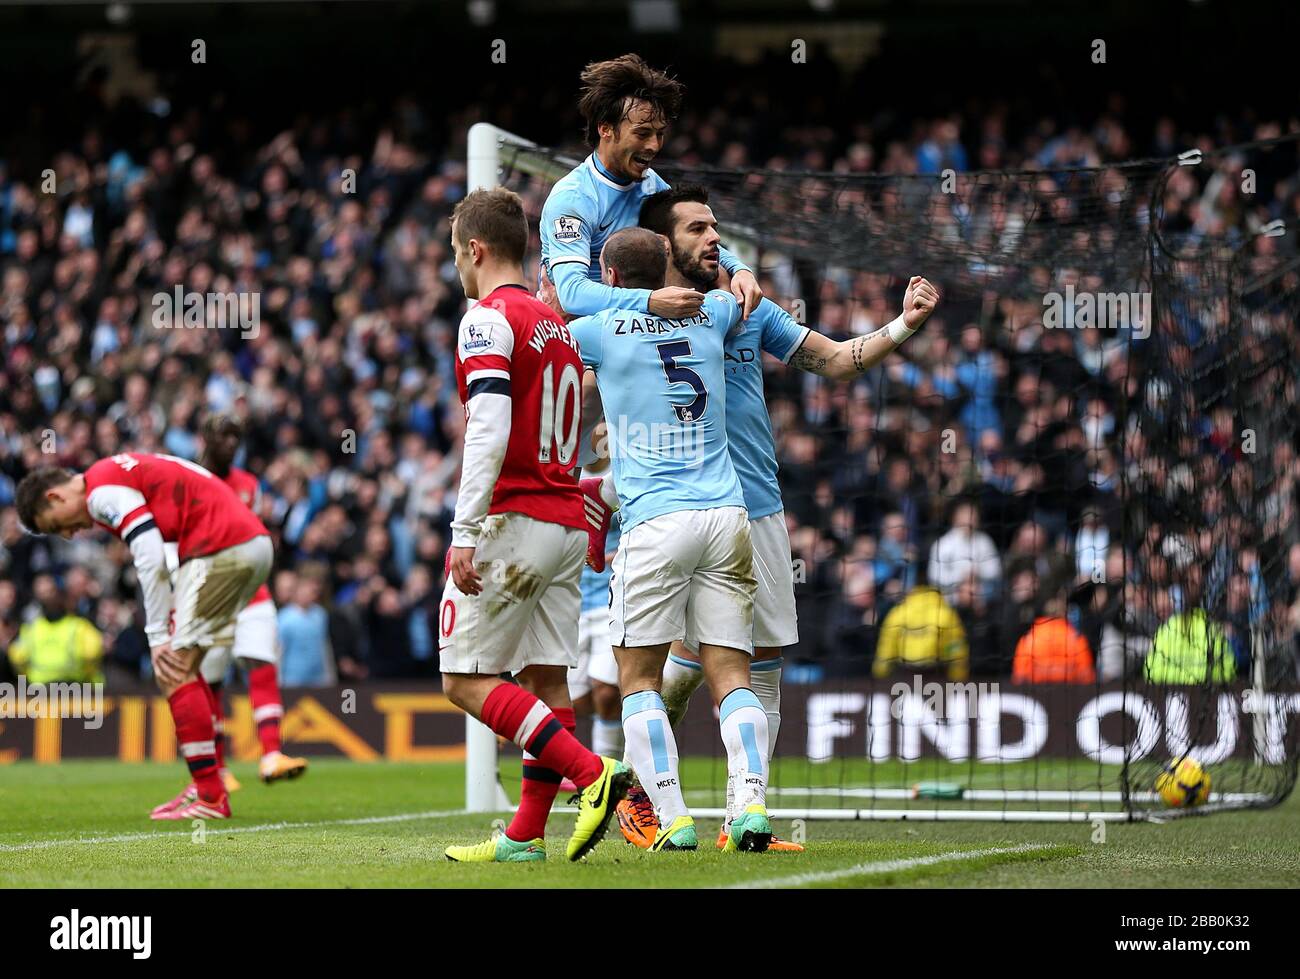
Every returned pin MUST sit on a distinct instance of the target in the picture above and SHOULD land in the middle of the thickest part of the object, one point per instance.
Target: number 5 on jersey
(670, 353)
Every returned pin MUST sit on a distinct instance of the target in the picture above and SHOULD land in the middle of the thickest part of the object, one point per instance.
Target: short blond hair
(496, 218)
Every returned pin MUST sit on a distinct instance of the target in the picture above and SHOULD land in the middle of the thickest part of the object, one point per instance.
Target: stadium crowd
(1001, 462)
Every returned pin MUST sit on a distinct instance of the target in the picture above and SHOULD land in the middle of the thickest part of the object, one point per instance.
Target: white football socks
(652, 750)
(765, 681)
(744, 733)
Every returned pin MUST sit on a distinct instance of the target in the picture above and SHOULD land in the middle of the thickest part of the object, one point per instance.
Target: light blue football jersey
(663, 386)
(584, 208)
(769, 329)
(595, 584)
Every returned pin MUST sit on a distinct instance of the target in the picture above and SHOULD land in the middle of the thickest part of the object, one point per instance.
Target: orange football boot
(636, 818)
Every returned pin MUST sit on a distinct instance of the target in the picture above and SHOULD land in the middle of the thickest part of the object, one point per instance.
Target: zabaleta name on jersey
(654, 326)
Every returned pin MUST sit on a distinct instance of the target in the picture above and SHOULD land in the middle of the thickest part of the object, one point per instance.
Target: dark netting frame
(989, 238)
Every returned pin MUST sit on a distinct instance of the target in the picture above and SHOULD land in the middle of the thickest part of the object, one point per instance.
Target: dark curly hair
(610, 87)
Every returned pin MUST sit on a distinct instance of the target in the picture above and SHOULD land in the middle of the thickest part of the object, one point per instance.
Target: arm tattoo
(857, 354)
(806, 360)
(858, 363)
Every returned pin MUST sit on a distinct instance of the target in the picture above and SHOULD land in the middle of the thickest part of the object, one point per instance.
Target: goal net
(1048, 549)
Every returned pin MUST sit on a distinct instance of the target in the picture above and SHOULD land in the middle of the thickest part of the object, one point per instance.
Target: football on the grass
(1183, 783)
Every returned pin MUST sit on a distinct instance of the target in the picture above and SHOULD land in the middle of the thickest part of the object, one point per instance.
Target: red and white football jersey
(249, 491)
(510, 343)
(190, 507)
(245, 485)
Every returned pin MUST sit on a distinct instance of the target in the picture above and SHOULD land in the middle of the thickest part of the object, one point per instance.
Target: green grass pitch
(344, 824)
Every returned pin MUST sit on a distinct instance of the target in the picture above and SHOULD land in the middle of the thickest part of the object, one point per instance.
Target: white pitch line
(884, 867)
(218, 828)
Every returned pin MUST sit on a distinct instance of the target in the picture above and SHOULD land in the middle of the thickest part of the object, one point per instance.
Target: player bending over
(683, 216)
(626, 106)
(257, 642)
(511, 601)
(684, 564)
(225, 556)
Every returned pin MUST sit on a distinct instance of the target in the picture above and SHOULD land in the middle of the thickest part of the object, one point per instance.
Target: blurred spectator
(1052, 651)
(1190, 649)
(922, 633)
(857, 614)
(10, 622)
(981, 627)
(1090, 545)
(55, 646)
(895, 556)
(305, 659)
(964, 552)
(1019, 609)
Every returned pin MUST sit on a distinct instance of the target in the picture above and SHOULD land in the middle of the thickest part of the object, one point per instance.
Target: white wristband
(898, 330)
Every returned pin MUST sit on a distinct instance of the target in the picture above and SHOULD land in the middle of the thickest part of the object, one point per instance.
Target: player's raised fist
(675, 303)
(919, 301)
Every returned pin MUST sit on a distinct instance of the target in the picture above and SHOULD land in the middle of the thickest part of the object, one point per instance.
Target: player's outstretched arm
(846, 359)
(581, 296)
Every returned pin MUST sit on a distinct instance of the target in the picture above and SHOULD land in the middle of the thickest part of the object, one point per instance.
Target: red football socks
(191, 707)
(514, 713)
(538, 789)
(218, 722)
(264, 692)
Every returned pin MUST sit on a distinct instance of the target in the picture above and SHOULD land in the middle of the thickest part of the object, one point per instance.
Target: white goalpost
(483, 789)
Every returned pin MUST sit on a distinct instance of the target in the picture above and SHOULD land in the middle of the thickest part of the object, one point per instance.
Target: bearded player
(511, 601)
(684, 565)
(256, 648)
(682, 216)
(225, 555)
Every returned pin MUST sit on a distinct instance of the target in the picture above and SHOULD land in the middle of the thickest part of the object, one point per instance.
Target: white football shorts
(257, 637)
(688, 573)
(210, 592)
(527, 612)
(776, 623)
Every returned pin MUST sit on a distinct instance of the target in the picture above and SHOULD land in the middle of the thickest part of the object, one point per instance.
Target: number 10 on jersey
(557, 404)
